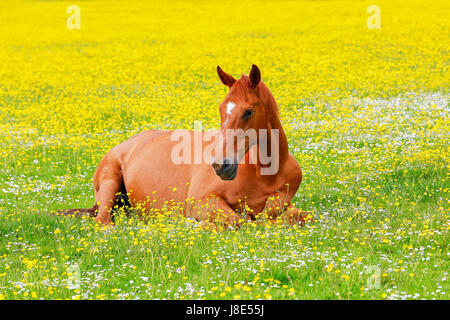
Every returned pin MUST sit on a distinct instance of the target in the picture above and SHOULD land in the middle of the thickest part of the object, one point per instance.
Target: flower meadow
(365, 111)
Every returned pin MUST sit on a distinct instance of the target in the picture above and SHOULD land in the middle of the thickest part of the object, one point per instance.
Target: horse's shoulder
(293, 167)
(291, 173)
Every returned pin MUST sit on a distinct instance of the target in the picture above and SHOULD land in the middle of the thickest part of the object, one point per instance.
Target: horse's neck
(283, 144)
(281, 148)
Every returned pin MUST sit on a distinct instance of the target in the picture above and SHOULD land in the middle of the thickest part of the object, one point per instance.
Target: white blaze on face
(230, 107)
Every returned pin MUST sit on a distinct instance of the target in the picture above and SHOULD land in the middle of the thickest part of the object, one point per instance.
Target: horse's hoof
(107, 228)
(205, 225)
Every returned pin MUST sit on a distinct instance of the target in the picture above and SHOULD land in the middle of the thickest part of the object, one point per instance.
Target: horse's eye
(247, 114)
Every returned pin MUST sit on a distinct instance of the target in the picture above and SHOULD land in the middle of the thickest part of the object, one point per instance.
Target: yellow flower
(329, 267)
(345, 277)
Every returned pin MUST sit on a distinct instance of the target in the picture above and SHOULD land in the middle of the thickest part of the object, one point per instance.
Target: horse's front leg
(213, 211)
(292, 215)
(278, 209)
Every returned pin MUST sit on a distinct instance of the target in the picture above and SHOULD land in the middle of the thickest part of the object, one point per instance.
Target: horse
(216, 189)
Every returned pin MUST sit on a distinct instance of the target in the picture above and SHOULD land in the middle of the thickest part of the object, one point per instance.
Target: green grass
(402, 243)
(365, 113)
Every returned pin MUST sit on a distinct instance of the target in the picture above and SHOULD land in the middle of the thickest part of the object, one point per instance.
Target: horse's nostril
(226, 165)
(226, 170)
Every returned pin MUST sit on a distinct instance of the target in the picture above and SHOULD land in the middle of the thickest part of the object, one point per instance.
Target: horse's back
(149, 171)
(127, 149)
(115, 160)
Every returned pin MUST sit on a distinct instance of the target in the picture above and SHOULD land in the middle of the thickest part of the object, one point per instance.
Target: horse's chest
(250, 198)
(257, 205)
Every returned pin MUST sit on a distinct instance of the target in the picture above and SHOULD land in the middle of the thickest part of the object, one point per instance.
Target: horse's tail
(121, 200)
(92, 212)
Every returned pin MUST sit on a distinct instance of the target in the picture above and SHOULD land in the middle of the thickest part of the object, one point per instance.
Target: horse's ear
(255, 76)
(225, 77)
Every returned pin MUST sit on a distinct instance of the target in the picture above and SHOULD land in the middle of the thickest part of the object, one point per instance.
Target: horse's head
(243, 113)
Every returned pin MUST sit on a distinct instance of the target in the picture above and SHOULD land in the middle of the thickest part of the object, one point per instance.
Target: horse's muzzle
(227, 170)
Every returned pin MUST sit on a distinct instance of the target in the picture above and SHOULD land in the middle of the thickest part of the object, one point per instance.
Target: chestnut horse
(142, 167)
